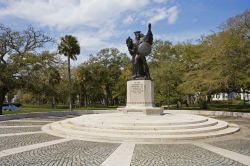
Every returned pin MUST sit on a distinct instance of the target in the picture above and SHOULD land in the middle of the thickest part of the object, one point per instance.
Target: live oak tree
(166, 72)
(239, 26)
(102, 78)
(14, 46)
(37, 81)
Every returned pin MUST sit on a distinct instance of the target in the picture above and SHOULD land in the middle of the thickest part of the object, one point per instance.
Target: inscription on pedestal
(139, 93)
(137, 87)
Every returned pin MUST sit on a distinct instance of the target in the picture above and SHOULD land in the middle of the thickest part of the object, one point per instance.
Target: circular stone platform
(139, 128)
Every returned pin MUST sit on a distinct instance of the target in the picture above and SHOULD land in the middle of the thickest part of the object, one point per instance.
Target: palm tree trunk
(70, 101)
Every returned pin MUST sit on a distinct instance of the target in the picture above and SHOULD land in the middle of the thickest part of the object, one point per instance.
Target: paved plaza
(22, 142)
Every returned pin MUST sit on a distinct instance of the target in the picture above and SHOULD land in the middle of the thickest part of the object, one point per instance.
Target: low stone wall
(211, 113)
(56, 113)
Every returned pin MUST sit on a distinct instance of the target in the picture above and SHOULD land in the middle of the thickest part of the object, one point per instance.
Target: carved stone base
(140, 98)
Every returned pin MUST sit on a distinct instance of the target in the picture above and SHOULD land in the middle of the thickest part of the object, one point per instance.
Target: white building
(224, 96)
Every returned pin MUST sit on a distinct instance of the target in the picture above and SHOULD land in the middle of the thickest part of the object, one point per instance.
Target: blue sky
(107, 23)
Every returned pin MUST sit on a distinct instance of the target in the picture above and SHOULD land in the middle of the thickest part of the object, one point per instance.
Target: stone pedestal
(140, 98)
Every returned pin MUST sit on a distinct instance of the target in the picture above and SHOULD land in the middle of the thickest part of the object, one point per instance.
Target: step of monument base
(144, 110)
(139, 128)
(146, 139)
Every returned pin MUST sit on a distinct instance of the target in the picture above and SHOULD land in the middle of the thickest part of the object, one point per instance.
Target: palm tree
(69, 47)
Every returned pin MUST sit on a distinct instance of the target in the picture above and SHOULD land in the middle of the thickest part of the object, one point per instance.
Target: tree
(36, 79)
(102, 78)
(53, 79)
(70, 47)
(14, 46)
(239, 24)
(111, 63)
(166, 69)
(220, 61)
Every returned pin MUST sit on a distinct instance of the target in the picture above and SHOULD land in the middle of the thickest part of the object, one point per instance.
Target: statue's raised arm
(149, 36)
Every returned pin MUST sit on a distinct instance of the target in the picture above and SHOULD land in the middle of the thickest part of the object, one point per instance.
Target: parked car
(248, 103)
(10, 107)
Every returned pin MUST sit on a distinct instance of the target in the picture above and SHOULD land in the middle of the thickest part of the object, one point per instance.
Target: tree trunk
(106, 100)
(1, 103)
(168, 97)
(228, 100)
(85, 97)
(80, 98)
(107, 96)
(70, 101)
(3, 92)
(53, 102)
(244, 98)
(209, 98)
(39, 99)
(9, 97)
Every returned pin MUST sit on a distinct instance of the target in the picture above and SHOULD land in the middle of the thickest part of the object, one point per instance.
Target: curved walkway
(23, 143)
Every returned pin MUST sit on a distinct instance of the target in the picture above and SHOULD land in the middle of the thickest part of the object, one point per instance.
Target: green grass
(29, 108)
(220, 107)
(96, 108)
(229, 107)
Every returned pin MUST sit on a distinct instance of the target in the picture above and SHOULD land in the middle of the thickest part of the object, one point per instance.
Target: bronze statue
(139, 49)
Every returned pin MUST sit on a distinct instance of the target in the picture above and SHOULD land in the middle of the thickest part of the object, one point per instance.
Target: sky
(101, 24)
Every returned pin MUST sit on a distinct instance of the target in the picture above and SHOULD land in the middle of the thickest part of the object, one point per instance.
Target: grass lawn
(219, 107)
(28, 108)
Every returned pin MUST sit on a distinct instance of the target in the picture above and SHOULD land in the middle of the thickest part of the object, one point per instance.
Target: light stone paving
(29, 149)
(237, 145)
(18, 134)
(23, 140)
(19, 130)
(226, 153)
(68, 153)
(3, 127)
(178, 154)
(21, 123)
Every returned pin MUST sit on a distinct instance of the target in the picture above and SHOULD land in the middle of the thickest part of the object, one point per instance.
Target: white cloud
(192, 36)
(160, 1)
(158, 14)
(95, 23)
(172, 14)
(128, 20)
(64, 13)
(80, 59)
(96, 40)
